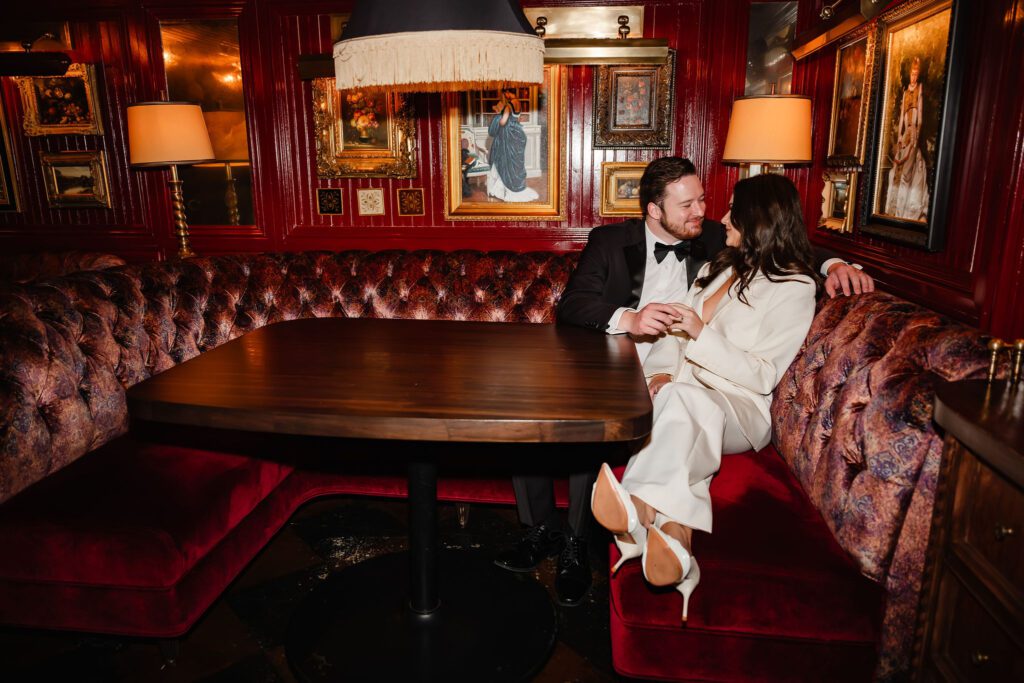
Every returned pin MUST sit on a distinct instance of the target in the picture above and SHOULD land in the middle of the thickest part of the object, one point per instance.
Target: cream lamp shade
(166, 133)
(772, 129)
(437, 46)
(228, 135)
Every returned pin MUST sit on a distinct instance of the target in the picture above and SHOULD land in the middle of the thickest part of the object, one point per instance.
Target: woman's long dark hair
(766, 210)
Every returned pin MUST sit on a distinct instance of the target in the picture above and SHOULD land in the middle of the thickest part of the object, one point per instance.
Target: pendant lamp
(437, 46)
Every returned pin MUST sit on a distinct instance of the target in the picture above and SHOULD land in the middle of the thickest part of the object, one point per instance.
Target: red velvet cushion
(777, 599)
(130, 514)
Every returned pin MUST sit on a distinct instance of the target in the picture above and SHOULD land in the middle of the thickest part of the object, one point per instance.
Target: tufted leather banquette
(43, 264)
(158, 530)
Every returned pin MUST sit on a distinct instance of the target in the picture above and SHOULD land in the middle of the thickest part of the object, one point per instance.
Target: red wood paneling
(974, 279)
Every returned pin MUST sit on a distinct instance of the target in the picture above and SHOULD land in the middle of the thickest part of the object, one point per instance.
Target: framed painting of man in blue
(503, 152)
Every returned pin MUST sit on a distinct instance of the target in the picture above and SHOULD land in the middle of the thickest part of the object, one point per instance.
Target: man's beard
(682, 231)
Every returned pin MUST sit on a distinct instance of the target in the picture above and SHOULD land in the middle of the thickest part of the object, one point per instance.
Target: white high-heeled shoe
(666, 562)
(610, 503)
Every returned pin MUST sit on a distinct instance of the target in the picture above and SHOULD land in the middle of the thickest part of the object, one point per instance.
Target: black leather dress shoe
(572, 583)
(539, 543)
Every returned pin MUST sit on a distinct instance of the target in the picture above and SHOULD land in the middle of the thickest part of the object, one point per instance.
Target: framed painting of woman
(920, 68)
(504, 155)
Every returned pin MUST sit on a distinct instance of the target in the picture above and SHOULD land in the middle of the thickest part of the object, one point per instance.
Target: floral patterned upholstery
(69, 348)
(853, 419)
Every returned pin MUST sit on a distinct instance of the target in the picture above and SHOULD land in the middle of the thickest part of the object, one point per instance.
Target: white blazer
(743, 349)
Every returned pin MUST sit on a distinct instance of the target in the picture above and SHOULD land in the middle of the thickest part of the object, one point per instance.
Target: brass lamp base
(749, 170)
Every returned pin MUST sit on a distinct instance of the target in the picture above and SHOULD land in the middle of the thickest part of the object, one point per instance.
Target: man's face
(680, 214)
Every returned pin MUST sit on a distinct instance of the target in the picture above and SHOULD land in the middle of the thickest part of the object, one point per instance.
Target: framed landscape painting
(75, 179)
(919, 71)
(504, 156)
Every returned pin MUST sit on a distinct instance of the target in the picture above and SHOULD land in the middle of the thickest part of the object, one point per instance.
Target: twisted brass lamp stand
(178, 206)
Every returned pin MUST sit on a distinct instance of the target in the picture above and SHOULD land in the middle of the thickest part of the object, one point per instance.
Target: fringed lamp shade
(437, 46)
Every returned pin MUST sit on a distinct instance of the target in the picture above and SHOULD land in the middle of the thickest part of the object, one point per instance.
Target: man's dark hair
(660, 173)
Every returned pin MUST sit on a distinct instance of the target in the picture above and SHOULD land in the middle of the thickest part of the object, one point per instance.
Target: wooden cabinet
(971, 625)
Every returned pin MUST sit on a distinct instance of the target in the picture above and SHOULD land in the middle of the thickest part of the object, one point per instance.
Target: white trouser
(693, 427)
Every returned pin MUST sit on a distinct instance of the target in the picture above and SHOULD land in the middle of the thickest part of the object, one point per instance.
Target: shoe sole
(662, 565)
(607, 506)
(523, 570)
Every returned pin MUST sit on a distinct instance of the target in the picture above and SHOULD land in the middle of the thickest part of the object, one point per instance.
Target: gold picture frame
(75, 179)
(633, 105)
(474, 187)
(8, 171)
(362, 135)
(61, 105)
(851, 97)
(620, 187)
(838, 199)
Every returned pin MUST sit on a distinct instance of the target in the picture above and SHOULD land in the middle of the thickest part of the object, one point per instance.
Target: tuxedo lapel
(636, 262)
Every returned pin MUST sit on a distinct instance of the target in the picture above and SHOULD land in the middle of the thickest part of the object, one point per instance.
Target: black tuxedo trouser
(535, 500)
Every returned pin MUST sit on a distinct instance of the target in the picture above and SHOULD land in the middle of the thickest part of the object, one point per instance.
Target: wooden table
(422, 382)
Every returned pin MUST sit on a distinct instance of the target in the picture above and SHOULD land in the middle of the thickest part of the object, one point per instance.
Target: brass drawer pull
(1003, 532)
(979, 658)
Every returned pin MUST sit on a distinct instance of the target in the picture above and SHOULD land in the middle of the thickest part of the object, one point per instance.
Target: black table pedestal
(491, 625)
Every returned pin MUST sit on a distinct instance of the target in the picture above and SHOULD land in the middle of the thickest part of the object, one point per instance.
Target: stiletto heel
(666, 562)
(614, 510)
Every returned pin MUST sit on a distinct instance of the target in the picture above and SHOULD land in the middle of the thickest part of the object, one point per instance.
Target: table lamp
(169, 134)
(230, 140)
(769, 131)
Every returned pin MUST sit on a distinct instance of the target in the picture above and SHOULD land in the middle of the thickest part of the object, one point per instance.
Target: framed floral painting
(919, 69)
(61, 105)
(633, 105)
(504, 152)
(620, 188)
(75, 179)
(361, 134)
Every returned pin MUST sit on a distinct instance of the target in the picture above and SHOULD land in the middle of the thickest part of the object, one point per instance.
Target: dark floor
(241, 636)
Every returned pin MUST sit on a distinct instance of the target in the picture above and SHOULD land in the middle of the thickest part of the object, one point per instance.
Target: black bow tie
(681, 249)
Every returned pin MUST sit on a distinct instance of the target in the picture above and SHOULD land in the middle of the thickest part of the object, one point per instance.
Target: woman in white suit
(739, 327)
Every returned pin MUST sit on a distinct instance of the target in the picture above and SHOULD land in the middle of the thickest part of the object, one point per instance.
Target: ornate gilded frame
(552, 207)
(866, 35)
(97, 195)
(656, 132)
(334, 160)
(836, 211)
(612, 174)
(30, 100)
(8, 170)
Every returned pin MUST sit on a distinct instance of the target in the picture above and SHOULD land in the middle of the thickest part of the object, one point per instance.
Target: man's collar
(652, 239)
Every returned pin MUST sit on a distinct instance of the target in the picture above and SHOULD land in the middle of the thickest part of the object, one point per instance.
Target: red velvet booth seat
(108, 532)
(778, 598)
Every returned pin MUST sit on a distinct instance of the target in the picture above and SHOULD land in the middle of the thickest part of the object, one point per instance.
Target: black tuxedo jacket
(610, 272)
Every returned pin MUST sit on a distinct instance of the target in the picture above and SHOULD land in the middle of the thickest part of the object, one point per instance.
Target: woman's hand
(656, 382)
(689, 321)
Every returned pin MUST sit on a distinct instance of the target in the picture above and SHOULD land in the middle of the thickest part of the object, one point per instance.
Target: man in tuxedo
(626, 277)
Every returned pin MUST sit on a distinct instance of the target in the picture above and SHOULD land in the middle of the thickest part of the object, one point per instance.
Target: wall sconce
(169, 134)
(439, 46)
(768, 131)
(566, 45)
(41, 57)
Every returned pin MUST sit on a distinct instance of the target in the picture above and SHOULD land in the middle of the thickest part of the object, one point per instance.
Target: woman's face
(732, 233)
(915, 73)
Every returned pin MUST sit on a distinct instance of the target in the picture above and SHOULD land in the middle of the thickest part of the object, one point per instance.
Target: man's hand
(656, 382)
(651, 320)
(843, 276)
